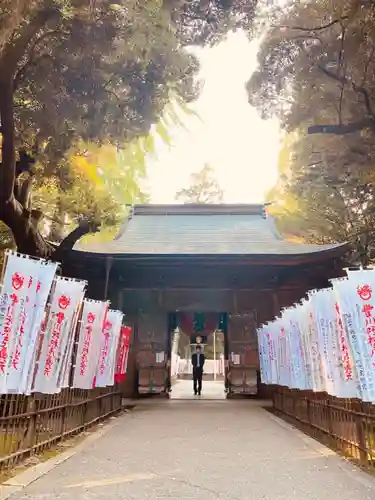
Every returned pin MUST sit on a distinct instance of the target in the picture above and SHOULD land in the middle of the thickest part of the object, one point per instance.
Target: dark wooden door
(243, 360)
(152, 352)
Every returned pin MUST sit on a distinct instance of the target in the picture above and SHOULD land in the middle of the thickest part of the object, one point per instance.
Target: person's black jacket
(194, 360)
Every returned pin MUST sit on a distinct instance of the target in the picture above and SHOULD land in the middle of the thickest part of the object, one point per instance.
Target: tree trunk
(16, 213)
(15, 196)
(25, 231)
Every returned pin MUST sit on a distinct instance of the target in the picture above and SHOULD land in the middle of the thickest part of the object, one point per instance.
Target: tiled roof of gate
(200, 230)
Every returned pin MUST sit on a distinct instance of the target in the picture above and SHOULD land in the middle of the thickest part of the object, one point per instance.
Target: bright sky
(230, 135)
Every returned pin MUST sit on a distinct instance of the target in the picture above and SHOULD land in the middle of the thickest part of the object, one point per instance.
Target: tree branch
(31, 57)
(357, 88)
(25, 192)
(316, 28)
(341, 67)
(85, 227)
(367, 66)
(349, 128)
(14, 51)
(343, 129)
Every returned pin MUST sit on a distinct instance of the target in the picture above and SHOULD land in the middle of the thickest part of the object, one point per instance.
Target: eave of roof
(224, 232)
(336, 251)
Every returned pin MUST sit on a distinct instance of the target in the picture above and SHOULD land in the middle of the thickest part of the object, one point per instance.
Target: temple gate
(227, 260)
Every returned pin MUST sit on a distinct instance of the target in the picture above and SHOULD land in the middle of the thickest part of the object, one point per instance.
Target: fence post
(31, 427)
(62, 428)
(99, 400)
(85, 407)
(294, 400)
(361, 437)
(329, 418)
(308, 410)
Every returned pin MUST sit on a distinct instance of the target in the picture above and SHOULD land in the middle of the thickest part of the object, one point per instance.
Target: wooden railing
(30, 424)
(346, 425)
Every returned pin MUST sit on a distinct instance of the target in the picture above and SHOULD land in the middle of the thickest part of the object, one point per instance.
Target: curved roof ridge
(201, 209)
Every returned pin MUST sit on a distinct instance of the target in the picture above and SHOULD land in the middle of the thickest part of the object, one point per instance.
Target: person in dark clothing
(197, 360)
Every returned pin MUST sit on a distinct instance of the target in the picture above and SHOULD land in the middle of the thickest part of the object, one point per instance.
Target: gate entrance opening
(212, 347)
(173, 262)
(228, 342)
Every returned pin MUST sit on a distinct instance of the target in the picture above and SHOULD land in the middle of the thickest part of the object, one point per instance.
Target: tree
(57, 89)
(113, 184)
(209, 349)
(320, 203)
(202, 22)
(203, 188)
(319, 73)
(6, 241)
(316, 74)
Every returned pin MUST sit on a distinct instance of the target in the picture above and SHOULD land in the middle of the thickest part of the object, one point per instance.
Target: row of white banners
(325, 343)
(45, 323)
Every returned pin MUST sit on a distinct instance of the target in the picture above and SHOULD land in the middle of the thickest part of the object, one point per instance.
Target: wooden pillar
(120, 299)
(226, 350)
(275, 302)
(108, 266)
(129, 388)
(234, 301)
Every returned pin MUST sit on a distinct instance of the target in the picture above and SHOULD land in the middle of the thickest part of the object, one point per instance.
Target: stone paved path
(211, 389)
(202, 450)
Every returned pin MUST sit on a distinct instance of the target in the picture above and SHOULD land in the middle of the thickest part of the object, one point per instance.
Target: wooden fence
(30, 424)
(347, 425)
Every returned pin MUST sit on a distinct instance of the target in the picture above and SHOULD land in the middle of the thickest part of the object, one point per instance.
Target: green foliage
(206, 22)
(320, 203)
(98, 73)
(114, 87)
(316, 65)
(119, 83)
(219, 346)
(6, 241)
(316, 74)
(120, 174)
(203, 188)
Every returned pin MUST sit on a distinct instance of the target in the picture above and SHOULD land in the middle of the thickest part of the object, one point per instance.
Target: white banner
(23, 363)
(291, 361)
(298, 347)
(263, 355)
(324, 314)
(271, 335)
(67, 295)
(21, 288)
(349, 387)
(356, 302)
(283, 353)
(302, 319)
(66, 371)
(110, 335)
(89, 343)
(46, 277)
(326, 343)
(312, 347)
